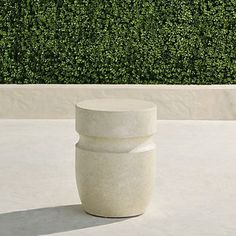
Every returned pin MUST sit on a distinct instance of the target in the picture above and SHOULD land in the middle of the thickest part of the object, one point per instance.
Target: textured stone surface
(195, 184)
(214, 102)
(115, 161)
(115, 184)
(116, 118)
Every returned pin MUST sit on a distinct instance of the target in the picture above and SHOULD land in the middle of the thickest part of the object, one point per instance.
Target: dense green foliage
(118, 41)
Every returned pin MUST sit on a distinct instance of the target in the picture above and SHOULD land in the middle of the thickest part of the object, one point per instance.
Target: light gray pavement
(195, 186)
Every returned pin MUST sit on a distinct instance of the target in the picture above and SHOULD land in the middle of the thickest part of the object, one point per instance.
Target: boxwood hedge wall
(118, 41)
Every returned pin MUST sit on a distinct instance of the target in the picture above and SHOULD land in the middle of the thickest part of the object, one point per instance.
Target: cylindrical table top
(116, 118)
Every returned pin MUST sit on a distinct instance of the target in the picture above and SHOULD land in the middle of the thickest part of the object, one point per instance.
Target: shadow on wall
(49, 220)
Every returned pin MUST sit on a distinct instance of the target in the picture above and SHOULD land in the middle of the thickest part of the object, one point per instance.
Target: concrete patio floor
(195, 185)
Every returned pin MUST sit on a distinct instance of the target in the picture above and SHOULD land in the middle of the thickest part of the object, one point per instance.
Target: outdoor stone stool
(115, 156)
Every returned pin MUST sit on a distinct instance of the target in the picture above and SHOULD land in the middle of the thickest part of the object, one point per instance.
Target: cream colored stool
(115, 156)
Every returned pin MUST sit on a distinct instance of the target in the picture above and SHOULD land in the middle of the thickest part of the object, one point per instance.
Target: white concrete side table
(115, 156)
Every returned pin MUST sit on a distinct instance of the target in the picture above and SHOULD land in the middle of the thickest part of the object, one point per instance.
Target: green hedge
(118, 41)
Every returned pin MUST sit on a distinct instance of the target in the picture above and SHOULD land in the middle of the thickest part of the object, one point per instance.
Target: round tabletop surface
(116, 105)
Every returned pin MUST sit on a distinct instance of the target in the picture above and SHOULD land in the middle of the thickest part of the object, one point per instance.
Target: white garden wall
(174, 102)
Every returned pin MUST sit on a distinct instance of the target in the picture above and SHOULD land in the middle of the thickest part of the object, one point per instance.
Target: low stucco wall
(215, 102)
